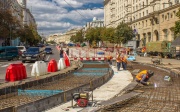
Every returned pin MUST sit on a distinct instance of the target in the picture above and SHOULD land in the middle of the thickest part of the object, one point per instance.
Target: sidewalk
(118, 82)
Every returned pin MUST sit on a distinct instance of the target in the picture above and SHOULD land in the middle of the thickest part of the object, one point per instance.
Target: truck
(161, 48)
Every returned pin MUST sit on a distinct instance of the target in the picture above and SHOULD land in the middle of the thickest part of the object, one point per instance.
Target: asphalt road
(5, 63)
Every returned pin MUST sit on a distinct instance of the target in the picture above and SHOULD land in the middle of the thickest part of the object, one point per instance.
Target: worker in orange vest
(128, 51)
(108, 59)
(144, 76)
(118, 60)
(125, 62)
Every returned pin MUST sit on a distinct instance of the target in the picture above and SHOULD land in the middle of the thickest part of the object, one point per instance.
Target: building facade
(153, 20)
(17, 12)
(94, 23)
(70, 33)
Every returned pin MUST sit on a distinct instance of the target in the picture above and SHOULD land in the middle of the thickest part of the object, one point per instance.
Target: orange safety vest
(128, 49)
(108, 57)
(139, 76)
(118, 59)
(142, 50)
(125, 60)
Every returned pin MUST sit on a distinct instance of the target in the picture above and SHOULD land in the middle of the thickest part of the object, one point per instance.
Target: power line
(76, 11)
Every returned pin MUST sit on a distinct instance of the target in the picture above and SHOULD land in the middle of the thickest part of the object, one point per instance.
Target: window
(174, 13)
(143, 4)
(146, 2)
(142, 23)
(164, 6)
(2, 51)
(171, 15)
(165, 34)
(176, 1)
(139, 15)
(163, 17)
(143, 14)
(168, 16)
(149, 34)
(146, 23)
(140, 5)
(147, 12)
(12, 50)
(139, 25)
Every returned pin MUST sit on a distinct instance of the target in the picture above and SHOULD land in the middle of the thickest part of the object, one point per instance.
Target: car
(78, 46)
(34, 54)
(69, 44)
(48, 50)
(22, 49)
(64, 45)
(9, 53)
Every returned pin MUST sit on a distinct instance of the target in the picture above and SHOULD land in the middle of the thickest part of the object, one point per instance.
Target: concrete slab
(107, 91)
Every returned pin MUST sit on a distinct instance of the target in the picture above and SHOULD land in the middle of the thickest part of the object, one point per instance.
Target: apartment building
(70, 33)
(153, 20)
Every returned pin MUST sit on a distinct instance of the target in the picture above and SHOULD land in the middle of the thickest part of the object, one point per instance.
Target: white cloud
(54, 17)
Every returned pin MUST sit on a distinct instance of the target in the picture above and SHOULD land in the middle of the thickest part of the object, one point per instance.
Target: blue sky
(56, 16)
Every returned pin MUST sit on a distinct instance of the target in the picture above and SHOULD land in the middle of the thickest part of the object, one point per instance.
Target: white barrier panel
(39, 68)
(61, 64)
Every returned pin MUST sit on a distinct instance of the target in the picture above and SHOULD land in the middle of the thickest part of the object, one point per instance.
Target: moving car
(48, 50)
(9, 53)
(34, 54)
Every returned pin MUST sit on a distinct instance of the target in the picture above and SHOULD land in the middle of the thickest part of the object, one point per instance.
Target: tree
(123, 33)
(9, 24)
(177, 26)
(79, 37)
(107, 34)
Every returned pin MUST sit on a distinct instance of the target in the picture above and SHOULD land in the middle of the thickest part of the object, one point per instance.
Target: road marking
(6, 65)
(25, 64)
(48, 57)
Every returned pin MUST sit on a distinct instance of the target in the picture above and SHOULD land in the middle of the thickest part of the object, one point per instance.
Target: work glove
(148, 83)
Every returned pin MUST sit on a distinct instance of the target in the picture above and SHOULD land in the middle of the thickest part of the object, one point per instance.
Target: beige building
(61, 38)
(69, 33)
(153, 20)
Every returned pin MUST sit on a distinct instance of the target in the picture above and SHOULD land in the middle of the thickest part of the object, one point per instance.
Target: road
(4, 64)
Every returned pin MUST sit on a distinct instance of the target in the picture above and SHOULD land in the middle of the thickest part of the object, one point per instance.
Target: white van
(21, 48)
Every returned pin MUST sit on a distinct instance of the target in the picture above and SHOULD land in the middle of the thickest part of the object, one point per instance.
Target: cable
(76, 11)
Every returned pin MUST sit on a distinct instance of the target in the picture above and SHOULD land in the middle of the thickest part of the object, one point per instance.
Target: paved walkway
(118, 82)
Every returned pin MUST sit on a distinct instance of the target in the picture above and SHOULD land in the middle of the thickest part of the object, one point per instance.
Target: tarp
(176, 42)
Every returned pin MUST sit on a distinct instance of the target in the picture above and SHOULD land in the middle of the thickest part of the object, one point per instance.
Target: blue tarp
(33, 93)
(132, 58)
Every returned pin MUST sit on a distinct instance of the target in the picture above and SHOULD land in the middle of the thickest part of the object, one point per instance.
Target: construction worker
(108, 59)
(128, 51)
(144, 76)
(118, 60)
(125, 62)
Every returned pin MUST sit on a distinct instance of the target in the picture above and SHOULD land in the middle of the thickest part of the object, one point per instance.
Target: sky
(56, 16)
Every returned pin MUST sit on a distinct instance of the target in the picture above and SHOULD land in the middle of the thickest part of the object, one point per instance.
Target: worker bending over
(125, 62)
(118, 60)
(108, 59)
(144, 76)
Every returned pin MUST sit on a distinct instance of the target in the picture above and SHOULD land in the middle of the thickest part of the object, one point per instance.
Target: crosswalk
(3, 65)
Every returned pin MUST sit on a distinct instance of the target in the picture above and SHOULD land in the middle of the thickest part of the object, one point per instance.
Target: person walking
(125, 62)
(128, 51)
(118, 60)
(67, 50)
(61, 53)
(108, 59)
(144, 76)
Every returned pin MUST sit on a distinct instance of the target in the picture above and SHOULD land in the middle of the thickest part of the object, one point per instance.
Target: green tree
(123, 33)
(177, 25)
(107, 34)
(79, 37)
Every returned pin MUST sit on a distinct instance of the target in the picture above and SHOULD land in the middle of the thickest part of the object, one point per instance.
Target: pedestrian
(108, 59)
(125, 62)
(128, 51)
(118, 60)
(144, 76)
(67, 50)
(61, 53)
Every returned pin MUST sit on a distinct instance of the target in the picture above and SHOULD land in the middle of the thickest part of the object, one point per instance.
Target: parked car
(48, 50)
(22, 48)
(78, 45)
(70, 44)
(64, 45)
(9, 53)
(34, 54)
